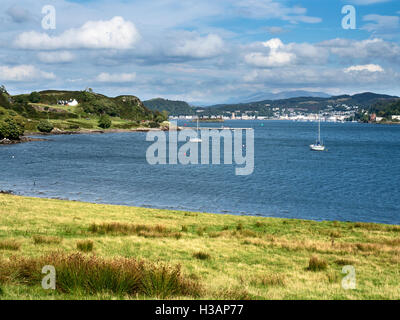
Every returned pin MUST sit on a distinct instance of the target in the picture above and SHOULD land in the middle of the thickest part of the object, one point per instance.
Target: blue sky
(200, 51)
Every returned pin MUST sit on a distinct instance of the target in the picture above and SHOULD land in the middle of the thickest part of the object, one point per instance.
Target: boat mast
(319, 127)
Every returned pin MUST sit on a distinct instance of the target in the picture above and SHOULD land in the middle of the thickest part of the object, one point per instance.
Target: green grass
(219, 256)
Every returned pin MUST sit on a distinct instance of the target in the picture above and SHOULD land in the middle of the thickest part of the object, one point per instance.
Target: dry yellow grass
(251, 258)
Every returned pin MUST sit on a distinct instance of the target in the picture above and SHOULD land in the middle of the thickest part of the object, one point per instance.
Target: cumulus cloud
(276, 57)
(116, 78)
(23, 73)
(112, 34)
(277, 54)
(369, 50)
(198, 47)
(56, 57)
(367, 67)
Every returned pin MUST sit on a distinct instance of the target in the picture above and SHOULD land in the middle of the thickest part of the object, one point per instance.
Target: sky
(200, 51)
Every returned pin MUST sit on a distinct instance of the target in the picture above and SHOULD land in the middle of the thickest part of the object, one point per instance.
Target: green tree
(34, 97)
(10, 129)
(105, 121)
(45, 126)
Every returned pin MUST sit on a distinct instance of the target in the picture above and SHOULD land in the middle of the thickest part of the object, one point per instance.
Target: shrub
(10, 129)
(85, 245)
(154, 124)
(317, 264)
(45, 126)
(105, 122)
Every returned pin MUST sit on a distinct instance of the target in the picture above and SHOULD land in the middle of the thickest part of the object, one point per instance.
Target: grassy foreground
(116, 252)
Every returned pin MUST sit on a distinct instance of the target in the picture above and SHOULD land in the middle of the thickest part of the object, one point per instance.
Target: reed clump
(201, 255)
(85, 245)
(268, 280)
(10, 245)
(148, 231)
(317, 264)
(46, 240)
(92, 275)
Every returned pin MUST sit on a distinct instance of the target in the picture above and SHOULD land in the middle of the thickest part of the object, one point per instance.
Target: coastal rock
(21, 140)
(6, 141)
(6, 192)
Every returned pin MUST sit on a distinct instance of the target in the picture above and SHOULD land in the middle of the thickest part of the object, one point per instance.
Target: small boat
(318, 146)
(197, 139)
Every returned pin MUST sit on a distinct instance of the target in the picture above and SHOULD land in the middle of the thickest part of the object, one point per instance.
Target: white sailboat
(197, 139)
(318, 146)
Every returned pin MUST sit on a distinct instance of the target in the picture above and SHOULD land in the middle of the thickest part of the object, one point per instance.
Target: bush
(153, 124)
(45, 126)
(10, 129)
(105, 122)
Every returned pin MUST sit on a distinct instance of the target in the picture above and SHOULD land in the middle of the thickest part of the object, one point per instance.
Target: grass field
(116, 252)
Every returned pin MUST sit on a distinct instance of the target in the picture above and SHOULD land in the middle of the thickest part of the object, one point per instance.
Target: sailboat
(318, 146)
(197, 139)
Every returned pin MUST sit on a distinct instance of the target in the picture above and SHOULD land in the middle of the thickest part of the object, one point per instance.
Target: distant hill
(307, 104)
(174, 108)
(261, 96)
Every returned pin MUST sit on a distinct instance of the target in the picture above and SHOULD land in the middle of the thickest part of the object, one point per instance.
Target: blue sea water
(357, 179)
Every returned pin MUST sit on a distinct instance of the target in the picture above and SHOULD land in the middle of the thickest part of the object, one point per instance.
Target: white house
(396, 118)
(72, 103)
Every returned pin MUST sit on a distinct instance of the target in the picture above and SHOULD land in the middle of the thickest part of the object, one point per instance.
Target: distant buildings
(70, 102)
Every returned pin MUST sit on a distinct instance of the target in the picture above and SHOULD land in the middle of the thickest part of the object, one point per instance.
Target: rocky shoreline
(22, 139)
(27, 136)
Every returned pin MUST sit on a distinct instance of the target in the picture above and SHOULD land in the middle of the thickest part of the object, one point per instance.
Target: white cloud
(367, 67)
(365, 50)
(198, 47)
(112, 34)
(278, 55)
(271, 9)
(116, 78)
(56, 57)
(23, 73)
(381, 24)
